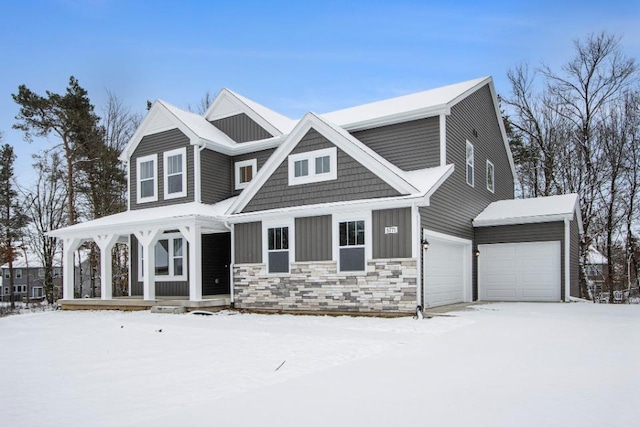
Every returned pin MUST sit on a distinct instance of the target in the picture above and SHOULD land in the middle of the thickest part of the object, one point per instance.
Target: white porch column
(192, 234)
(148, 239)
(105, 242)
(71, 244)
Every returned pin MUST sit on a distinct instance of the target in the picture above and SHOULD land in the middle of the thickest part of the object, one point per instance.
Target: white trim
(493, 176)
(567, 260)
(336, 219)
(285, 222)
(244, 163)
(467, 291)
(313, 175)
(165, 156)
(170, 277)
(144, 159)
(443, 139)
(128, 163)
(522, 220)
(197, 179)
(417, 251)
(472, 164)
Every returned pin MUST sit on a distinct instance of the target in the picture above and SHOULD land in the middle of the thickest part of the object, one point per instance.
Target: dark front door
(216, 257)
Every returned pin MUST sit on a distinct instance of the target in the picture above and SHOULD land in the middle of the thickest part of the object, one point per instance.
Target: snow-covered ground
(495, 365)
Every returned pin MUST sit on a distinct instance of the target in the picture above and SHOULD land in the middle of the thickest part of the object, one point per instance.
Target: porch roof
(211, 218)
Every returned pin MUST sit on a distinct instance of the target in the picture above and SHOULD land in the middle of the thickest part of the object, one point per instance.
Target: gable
(241, 128)
(354, 181)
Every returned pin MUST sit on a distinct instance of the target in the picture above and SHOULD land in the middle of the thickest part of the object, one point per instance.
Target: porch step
(170, 309)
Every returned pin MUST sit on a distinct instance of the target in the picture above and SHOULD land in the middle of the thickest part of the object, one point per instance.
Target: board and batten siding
(241, 128)
(410, 145)
(163, 289)
(574, 251)
(521, 233)
(455, 204)
(261, 158)
(248, 242)
(354, 182)
(313, 238)
(391, 245)
(215, 170)
(157, 144)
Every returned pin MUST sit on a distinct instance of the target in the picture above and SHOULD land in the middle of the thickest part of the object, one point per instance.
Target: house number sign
(391, 230)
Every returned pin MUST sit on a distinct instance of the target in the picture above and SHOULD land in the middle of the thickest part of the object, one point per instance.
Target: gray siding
(215, 171)
(241, 128)
(537, 232)
(391, 245)
(574, 251)
(313, 238)
(410, 145)
(455, 204)
(248, 243)
(260, 156)
(354, 182)
(157, 144)
(163, 289)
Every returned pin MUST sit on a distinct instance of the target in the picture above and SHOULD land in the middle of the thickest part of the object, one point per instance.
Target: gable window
(169, 259)
(175, 173)
(470, 163)
(313, 166)
(147, 185)
(245, 171)
(278, 249)
(352, 245)
(490, 177)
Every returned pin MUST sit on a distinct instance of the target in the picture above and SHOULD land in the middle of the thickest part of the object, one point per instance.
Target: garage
(446, 271)
(528, 271)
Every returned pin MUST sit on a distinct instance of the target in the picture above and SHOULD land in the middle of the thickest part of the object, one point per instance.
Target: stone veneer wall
(389, 286)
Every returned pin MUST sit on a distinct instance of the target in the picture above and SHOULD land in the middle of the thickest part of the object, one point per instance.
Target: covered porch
(190, 266)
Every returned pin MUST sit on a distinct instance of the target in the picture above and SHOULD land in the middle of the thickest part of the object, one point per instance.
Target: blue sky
(290, 56)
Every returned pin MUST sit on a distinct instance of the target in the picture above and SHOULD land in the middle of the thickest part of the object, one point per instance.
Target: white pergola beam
(148, 239)
(71, 244)
(192, 233)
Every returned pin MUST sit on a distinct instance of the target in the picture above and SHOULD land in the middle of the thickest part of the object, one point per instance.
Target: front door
(216, 258)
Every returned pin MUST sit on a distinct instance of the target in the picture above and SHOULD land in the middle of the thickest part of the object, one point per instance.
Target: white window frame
(171, 277)
(18, 272)
(243, 164)
(41, 273)
(266, 225)
(139, 161)
(7, 273)
(311, 156)
(470, 162)
(368, 236)
(491, 183)
(33, 292)
(165, 156)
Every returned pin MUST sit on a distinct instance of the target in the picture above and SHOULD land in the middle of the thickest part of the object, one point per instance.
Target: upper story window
(7, 273)
(470, 163)
(18, 273)
(147, 171)
(175, 173)
(313, 166)
(490, 177)
(245, 171)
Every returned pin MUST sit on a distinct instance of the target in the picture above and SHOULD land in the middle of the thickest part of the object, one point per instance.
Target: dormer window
(245, 171)
(313, 166)
(175, 173)
(147, 187)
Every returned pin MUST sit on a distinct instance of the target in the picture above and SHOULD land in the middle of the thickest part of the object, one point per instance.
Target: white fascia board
(226, 95)
(421, 113)
(245, 147)
(331, 208)
(522, 220)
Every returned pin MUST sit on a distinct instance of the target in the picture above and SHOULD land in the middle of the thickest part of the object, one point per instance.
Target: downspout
(231, 228)
(197, 172)
(128, 163)
(417, 246)
(567, 260)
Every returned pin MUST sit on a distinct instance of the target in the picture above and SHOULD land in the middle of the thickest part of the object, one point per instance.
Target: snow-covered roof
(33, 261)
(131, 220)
(420, 104)
(201, 127)
(523, 211)
(594, 256)
(282, 123)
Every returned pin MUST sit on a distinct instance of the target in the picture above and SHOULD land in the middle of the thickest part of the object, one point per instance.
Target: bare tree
(203, 105)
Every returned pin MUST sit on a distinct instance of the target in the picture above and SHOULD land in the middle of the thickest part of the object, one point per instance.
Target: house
(28, 280)
(596, 271)
(378, 208)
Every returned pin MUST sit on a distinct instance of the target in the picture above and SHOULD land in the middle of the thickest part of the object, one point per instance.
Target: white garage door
(445, 271)
(519, 272)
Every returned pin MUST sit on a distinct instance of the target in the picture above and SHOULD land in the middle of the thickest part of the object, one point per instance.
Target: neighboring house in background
(378, 208)
(596, 270)
(28, 280)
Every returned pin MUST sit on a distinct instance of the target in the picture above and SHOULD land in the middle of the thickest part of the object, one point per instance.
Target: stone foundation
(388, 286)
